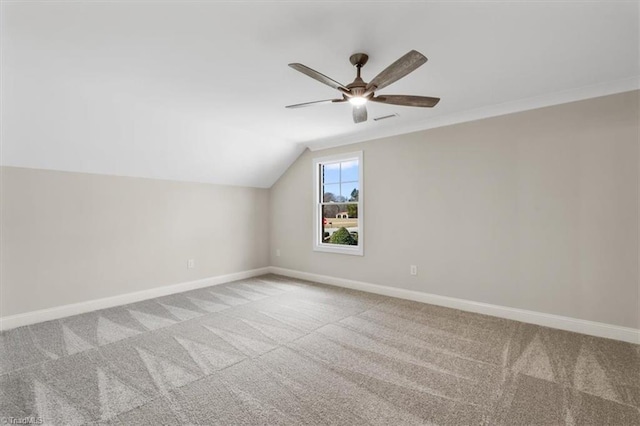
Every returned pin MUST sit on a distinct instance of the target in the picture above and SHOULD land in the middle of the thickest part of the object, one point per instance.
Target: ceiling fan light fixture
(358, 100)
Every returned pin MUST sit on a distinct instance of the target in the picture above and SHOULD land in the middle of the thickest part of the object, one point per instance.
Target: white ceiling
(195, 91)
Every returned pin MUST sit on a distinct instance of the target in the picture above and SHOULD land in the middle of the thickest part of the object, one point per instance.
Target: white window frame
(318, 245)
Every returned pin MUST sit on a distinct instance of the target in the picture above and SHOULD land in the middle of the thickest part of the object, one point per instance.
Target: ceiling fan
(359, 92)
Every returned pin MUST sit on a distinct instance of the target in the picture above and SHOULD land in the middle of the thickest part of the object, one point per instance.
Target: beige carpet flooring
(272, 350)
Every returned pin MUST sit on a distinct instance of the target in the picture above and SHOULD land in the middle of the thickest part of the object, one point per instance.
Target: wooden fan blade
(319, 76)
(327, 101)
(359, 114)
(394, 72)
(406, 100)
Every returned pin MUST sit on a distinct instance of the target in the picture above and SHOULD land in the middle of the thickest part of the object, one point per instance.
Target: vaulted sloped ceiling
(195, 91)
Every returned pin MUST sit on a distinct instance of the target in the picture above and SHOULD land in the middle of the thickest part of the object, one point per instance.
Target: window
(338, 204)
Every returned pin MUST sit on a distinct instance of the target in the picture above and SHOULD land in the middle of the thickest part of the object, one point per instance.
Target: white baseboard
(592, 328)
(626, 334)
(121, 299)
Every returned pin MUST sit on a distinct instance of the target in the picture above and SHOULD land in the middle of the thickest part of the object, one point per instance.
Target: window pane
(350, 191)
(331, 193)
(331, 173)
(349, 171)
(340, 224)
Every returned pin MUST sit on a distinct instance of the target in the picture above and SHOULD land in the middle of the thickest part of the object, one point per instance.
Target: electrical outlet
(413, 269)
(277, 252)
(191, 263)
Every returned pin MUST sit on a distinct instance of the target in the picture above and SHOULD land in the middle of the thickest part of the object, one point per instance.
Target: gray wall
(72, 237)
(536, 210)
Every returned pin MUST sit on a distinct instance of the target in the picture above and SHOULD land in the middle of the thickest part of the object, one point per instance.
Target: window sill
(350, 250)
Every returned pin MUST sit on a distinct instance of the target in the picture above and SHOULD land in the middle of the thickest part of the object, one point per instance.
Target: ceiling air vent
(384, 117)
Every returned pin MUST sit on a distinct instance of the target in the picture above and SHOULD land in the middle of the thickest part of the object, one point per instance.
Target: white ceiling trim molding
(557, 98)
